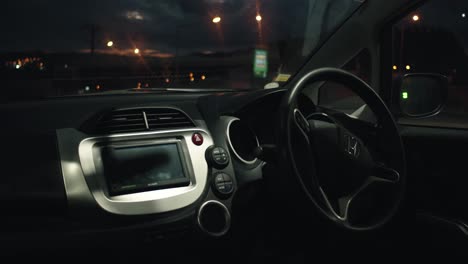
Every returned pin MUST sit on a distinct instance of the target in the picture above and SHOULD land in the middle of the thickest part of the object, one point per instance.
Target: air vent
(141, 119)
(164, 118)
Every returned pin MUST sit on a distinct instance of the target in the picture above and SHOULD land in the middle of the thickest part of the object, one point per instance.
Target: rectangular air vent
(142, 119)
(166, 118)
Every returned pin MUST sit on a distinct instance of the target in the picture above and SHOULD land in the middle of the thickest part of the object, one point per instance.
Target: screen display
(142, 168)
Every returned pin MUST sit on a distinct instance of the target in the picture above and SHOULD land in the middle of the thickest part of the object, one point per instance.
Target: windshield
(56, 48)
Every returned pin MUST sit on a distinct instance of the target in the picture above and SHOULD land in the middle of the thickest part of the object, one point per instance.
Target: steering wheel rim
(290, 119)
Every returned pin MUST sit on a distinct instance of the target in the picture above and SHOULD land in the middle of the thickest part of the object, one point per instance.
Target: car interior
(234, 128)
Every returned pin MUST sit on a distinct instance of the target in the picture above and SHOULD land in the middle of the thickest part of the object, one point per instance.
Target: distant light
(216, 19)
(415, 18)
(191, 74)
(463, 15)
(65, 66)
(408, 67)
(17, 66)
(138, 85)
(258, 18)
(203, 77)
(98, 87)
(110, 44)
(136, 51)
(395, 67)
(192, 79)
(134, 15)
(404, 95)
(86, 88)
(167, 80)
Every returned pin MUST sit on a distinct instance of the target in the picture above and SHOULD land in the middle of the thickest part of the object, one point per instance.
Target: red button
(197, 139)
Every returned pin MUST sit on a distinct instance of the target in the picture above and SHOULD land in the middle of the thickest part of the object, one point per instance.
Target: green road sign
(260, 66)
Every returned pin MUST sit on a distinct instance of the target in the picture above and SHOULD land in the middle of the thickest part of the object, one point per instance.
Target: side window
(434, 39)
(339, 97)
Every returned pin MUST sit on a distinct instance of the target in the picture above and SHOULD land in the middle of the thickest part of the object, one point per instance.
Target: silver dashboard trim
(227, 218)
(84, 186)
(249, 162)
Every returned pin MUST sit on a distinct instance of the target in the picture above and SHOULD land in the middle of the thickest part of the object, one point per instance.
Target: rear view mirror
(423, 94)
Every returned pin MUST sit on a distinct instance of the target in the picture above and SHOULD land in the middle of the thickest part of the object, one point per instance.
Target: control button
(226, 178)
(219, 178)
(217, 157)
(223, 184)
(197, 139)
(228, 187)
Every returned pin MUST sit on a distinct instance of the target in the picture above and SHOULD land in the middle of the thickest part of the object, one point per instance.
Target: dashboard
(154, 165)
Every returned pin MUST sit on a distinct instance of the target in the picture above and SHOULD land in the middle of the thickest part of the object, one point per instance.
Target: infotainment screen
(131, 169)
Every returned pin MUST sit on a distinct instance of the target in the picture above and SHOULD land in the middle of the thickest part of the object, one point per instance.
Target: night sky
(445, 15)
(159, 27)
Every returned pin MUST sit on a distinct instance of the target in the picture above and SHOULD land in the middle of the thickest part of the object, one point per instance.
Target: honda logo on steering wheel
(352, 146)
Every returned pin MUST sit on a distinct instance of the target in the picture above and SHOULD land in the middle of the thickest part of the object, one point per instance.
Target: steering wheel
(352, 171)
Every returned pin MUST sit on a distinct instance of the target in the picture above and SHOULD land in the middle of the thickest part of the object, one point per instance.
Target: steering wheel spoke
(382, 173)
(341, 210)
(302, 123)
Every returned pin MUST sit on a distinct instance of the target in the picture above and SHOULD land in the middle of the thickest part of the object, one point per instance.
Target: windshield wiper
(182, 90)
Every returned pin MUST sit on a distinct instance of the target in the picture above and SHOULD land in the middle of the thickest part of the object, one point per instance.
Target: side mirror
(423, 94)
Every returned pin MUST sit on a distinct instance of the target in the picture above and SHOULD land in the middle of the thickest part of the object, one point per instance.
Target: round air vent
(242, 141)
(214, 218)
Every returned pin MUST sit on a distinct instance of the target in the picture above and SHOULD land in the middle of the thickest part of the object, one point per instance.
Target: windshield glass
(56, 48)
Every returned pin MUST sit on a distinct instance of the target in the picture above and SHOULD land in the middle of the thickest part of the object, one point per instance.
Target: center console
(136, 173)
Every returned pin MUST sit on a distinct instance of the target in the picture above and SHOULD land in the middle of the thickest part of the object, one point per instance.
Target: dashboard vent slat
(141, 119)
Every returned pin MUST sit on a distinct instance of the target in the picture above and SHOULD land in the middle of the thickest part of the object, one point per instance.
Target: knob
(223, 183)
(217, 157)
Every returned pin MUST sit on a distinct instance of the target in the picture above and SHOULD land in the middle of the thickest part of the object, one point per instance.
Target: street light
(415, 18)
(258, 18)
(408, 67)
(395, 67)
(136, 51)
(463, 15)
(110, 43)
(216, 19)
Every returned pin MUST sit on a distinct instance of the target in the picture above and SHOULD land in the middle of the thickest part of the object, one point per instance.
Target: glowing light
(395, 67)
(136, 51)
(415, 18)
(98, 87)
(216, 19)
(203, 77)
(404, 95)
(463, 15)
(17, 66)
(191, 74)
(86, 88)
(110, 44)
(167, 80)
(408, 67)
(258, 18)
(134, 15)
(192, 79)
